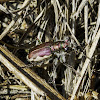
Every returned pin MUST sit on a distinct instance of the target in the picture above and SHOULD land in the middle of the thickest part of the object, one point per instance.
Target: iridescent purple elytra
(45, 50)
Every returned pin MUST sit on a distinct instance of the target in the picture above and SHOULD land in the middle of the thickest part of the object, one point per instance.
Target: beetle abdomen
(39, 54)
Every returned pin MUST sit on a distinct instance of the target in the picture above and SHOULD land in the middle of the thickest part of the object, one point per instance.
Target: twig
(76, 14)
(26, 46)
(73, 19)
(2, 8)
(39, 16)
(13, 91)
(90, 54)
(97, 23)
(5, 0)
(55, 10)
(25, 4)
(18, 87)
(2, 73)
(86, 35)
(8, 29)
(86, 25)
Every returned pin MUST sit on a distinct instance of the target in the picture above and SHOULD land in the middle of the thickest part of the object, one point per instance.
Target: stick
(30, 78)
(97, 23)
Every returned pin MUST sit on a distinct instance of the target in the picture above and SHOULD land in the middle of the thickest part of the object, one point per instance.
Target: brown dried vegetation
(74, 73)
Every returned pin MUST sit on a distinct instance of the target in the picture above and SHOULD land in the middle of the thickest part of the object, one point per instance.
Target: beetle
(45, 50)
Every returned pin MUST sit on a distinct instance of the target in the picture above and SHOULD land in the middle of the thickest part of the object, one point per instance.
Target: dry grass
(74, 72)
